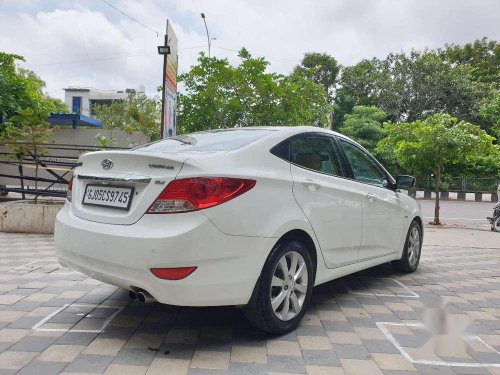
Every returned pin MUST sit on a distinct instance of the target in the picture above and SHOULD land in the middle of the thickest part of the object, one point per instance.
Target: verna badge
(107, 164)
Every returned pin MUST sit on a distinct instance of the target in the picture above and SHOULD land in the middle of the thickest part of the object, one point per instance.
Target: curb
(455, 196)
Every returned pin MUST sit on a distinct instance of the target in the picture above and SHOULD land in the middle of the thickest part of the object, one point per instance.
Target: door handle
(370, 197)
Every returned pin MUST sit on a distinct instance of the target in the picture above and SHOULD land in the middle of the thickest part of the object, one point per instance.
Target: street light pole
(210, 45)
(209, 41)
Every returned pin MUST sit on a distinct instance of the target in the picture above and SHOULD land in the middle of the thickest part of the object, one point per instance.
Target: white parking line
(411, 293)
(383, 327)
(105, 323)
(48, 317)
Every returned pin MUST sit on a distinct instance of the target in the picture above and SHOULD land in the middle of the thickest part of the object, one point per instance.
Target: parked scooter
(495, 220)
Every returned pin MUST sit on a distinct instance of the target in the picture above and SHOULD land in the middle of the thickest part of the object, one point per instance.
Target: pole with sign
(169, 90)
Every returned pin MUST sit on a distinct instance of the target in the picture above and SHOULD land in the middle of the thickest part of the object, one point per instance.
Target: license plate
(108, 196)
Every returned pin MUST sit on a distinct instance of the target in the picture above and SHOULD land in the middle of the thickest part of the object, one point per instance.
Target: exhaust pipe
(132, 295)
(145, 297)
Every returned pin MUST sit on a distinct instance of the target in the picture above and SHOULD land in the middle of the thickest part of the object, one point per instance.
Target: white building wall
(88, 95)
(84, 94)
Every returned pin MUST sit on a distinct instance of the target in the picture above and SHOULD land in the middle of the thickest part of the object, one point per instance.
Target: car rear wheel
(283, 290)
(495, 225)
(411, 253)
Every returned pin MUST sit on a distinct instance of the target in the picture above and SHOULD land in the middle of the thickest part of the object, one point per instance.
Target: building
(81, 99)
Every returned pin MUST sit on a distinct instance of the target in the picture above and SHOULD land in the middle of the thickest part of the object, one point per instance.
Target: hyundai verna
(253, 217)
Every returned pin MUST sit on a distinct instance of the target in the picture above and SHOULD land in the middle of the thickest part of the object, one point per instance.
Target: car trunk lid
(142, 174)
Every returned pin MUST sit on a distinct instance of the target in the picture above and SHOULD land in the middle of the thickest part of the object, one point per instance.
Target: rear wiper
(184, 139)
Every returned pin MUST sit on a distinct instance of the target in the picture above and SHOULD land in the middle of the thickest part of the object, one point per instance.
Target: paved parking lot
(444, 319)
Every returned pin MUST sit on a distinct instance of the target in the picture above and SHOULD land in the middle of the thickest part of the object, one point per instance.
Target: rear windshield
(217, 140)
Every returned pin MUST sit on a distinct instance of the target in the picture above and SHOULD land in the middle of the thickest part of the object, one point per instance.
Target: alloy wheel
(289, 286)
(413, 246)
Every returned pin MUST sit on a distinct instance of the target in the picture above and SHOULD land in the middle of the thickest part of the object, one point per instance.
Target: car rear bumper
(122, 255)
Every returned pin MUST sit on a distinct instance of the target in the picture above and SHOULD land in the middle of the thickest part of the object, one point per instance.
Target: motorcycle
(495, 220)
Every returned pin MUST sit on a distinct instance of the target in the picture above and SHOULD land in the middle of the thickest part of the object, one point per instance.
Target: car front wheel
(283, 290)
(411, 253)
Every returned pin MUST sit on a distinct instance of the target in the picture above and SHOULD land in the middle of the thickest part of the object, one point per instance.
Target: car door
(382, 210)
(332, 203)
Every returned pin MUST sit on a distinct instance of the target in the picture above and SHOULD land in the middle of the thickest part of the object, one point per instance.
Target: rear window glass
(217, 140)
(282, 150)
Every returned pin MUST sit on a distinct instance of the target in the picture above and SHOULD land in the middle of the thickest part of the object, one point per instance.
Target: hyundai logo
(107, 164)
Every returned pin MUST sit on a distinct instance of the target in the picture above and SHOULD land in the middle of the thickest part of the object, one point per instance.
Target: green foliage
(104, 141)
(219, 95)
(26, 135)
(411, 87)
(358, 86)
(137, 112)
(428, 146)
(483, 57)
(438, 141)
(26, 130)
(322, 68)
(364, 125)
(21, 89)
(490, 112)
(481, 166)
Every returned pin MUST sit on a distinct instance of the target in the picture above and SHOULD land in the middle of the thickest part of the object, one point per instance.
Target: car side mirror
(405, 182)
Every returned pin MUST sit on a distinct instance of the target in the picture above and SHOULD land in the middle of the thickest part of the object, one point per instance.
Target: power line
(103, 59)
(131, 18)
(93, 53)
(75, 53)
(92, 60)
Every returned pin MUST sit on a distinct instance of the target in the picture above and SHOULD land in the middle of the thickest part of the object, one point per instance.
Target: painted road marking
(411, 293)
(383, 327)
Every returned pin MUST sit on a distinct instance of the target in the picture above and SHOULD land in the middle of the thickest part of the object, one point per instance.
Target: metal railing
(55, 170)
(460, 184)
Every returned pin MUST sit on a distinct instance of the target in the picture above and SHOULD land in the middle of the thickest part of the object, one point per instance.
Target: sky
(87, 43)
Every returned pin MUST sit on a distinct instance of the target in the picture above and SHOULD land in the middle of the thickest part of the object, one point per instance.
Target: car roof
(289, 130)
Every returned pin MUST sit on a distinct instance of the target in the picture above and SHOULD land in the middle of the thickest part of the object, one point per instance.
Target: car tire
(411, 253)
(280, 300)
(495, 224)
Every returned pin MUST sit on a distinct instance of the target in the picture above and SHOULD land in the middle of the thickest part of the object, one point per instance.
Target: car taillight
(70, 190)
(197, 193)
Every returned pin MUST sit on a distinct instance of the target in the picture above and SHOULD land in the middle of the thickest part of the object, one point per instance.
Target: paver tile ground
(443, 319)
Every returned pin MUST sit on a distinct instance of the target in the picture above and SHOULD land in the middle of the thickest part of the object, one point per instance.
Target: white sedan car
(253, 217)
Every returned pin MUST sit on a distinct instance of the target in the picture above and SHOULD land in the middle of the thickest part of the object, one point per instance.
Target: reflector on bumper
(173, 273)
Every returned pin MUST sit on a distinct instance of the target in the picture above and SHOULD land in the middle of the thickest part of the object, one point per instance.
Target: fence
(460, 184)
(17, 174)
(55, 168)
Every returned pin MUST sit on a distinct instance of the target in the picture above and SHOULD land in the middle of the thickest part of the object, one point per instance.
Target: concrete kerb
(455, 196)
(28, 217)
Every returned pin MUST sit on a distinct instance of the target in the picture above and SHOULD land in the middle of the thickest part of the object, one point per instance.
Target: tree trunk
(437, 182)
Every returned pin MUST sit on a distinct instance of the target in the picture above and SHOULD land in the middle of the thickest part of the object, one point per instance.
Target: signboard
(170, 62)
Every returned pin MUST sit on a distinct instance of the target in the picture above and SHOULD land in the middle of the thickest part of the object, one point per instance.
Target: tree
(490, 111)
(483, 56)
(26, 135)
(21, 89)
(137, 112)
(364, 125)
(358, 86)
(219, 95)
(411, 87)
(427, 146)
(322, 68)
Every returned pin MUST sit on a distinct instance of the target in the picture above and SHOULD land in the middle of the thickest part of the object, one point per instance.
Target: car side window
(363, 166)
(315, 152)
(282, 150)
